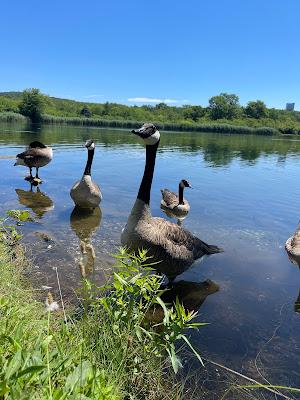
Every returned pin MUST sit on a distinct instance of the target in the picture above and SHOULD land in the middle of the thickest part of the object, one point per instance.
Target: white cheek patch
(92, 146)
(153, 139)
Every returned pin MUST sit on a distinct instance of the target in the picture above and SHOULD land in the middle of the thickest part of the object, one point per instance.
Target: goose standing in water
(36, 156)
(86, 193)
(176, 204)
(172, 247)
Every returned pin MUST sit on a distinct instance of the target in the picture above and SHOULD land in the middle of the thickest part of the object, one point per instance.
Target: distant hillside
(12, 95)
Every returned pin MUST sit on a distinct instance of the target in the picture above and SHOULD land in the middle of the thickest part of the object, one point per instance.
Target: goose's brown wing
(170, 199)
(31, 154)
(176, 241)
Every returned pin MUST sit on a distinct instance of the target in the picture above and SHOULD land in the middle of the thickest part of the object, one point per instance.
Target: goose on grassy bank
(173, 248)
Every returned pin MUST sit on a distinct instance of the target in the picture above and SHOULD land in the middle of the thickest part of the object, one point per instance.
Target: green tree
(161, 106)
(224, 106)
(32, 104)
(85, 112)
(193, 112)
(256, 109)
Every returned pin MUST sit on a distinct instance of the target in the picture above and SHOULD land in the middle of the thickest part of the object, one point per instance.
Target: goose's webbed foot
(29, 178)
(36, 181)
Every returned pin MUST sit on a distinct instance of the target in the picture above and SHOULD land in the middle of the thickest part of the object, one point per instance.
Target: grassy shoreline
(105, 350)
(127, 124)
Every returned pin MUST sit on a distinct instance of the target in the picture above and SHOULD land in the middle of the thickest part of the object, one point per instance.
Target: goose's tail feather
(211, 249)
(208, 248)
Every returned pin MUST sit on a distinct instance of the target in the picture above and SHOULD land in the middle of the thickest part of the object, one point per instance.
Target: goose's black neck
(180, 193)
(88, 166)
(145, 187)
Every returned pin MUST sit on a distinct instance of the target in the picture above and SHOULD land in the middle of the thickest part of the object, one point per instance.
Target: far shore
(230, 128)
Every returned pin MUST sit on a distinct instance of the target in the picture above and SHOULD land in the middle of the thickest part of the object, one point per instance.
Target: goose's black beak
(142, 132)
(138, 131)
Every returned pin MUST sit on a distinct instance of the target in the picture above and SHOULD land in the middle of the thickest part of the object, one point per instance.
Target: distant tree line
(223, 108)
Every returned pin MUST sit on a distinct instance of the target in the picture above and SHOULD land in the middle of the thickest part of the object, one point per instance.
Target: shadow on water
(190, 294)
(85, 222)
(37, 201)
(296, 260)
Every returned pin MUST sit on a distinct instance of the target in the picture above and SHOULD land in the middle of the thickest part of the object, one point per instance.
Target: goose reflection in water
(170, 214)
(190, 294)
(84, 222)
(295, 259)
(38, 201)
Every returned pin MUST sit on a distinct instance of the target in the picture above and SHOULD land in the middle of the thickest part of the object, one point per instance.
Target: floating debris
(50, 304)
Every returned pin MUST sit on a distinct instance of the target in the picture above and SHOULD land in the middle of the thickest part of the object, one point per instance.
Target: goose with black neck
(86, 193)
(176, 204)
(173, 248)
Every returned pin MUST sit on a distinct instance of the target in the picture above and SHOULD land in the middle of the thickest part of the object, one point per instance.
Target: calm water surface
(246, 199)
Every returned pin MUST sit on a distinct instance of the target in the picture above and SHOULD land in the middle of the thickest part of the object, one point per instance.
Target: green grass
(107, 349)
(207, 127)
(9, 116)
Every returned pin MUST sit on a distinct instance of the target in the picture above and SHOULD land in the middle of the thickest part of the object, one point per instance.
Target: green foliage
(9, 233)
(256, 109)
(224, 106)
(193, 112)
(108, 350)
(135, 294)
(32, 104)
(85, 112)
(10, 116)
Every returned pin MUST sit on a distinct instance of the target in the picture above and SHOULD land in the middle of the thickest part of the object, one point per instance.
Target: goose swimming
(36, 156)
(173, 248)
(176, 203)
(86, 193)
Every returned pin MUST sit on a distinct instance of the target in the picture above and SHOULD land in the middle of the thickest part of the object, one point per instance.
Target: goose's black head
(36, 144)
(185, 183)
(149, 133)
(89, 144)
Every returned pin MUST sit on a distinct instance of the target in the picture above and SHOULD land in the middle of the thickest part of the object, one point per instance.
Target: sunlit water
(246, 199)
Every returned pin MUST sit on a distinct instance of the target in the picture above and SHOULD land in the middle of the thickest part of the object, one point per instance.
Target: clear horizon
(138, 53)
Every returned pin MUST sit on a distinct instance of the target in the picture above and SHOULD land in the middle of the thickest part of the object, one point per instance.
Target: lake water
(246, 199)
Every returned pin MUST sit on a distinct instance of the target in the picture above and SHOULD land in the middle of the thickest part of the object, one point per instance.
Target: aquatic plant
(183, 127)
(10, 116)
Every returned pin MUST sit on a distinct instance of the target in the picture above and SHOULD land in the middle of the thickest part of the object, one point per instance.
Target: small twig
(257, 358)
(248, 379)
(61, 298)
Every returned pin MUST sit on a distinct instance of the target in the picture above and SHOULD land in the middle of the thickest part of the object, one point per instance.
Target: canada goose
(292, 246)
(172, 247)
(38, 201)
(86, 193)
(37, 155)
(176, 203)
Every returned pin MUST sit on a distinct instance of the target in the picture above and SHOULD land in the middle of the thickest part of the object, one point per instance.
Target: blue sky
(138, 51)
